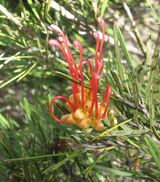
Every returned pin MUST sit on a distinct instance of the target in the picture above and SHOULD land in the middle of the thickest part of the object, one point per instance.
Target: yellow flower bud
(68, 119)
(99, 126)
(84, 124)
(113, 121)
(79, 114)
(110, 114)
(64, 118)
(78, 98)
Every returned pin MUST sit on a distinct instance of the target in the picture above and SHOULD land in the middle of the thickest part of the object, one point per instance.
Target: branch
(141, 107)
(10, 16)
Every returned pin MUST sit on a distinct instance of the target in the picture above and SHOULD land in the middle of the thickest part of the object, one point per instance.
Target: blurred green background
(33, 147)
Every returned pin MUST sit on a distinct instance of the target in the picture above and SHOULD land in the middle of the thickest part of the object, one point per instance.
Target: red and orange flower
(85, 108)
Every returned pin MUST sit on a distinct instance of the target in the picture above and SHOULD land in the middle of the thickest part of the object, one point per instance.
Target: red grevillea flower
(85, 108)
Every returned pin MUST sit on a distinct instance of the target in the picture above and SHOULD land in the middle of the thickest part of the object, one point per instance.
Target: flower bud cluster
(81, 116)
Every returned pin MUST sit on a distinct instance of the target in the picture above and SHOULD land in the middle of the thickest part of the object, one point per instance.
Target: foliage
(33, 147)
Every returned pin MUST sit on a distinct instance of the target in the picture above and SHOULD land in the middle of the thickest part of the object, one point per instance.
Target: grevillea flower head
(85, 108)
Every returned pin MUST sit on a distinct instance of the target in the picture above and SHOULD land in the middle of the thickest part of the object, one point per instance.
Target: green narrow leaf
(26, 106)
(47, 7)
(125, 51)
(151, 87)
(27, 72)
(31, 3)
(118, 54)
(103, 7)
(12, 79)
(27, 172)
(131, 69)
(151, 108)
(117, 81)
(34, 157)
(157, 135)
(7, 145)
(111, 129)
(62, 162)
(154, 150)
(153, 10)
(3, 122)
(114, 171)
